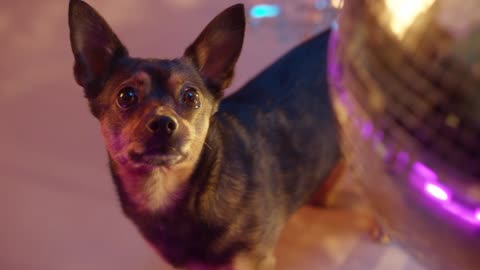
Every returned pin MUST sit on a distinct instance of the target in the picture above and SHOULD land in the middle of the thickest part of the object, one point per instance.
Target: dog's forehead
(171, 72)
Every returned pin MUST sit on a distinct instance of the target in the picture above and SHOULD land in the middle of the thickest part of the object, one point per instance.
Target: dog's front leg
(240, 262)
(254, 262)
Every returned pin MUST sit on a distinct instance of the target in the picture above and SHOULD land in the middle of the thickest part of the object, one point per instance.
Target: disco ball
(405, 83)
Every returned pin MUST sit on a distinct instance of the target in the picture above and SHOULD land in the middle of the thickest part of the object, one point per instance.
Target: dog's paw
(378, 234)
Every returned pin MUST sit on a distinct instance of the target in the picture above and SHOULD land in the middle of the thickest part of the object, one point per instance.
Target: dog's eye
(127, 97)
(191, 98)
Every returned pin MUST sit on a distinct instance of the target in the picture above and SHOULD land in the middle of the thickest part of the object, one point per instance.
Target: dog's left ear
(216, 51)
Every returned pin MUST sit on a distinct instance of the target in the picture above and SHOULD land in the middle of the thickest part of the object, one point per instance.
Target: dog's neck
(157, 190)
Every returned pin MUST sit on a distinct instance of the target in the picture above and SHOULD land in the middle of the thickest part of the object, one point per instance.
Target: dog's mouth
(159, 157)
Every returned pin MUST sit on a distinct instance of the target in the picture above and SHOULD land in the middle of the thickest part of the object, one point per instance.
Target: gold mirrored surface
(405, 82)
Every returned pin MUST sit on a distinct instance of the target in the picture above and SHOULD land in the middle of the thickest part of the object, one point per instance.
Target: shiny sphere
(405, 82)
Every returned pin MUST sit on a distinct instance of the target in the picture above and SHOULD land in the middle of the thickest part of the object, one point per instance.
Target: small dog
(208, 182)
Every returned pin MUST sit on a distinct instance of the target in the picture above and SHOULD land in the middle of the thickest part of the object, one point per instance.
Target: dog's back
(284, 123)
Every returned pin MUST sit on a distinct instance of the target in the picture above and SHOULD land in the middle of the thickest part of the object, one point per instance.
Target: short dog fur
(209, 182)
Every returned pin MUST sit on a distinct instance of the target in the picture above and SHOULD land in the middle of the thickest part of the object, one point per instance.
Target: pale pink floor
(58, 209)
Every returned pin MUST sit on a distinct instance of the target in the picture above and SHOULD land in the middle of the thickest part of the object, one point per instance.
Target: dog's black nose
(162, 125)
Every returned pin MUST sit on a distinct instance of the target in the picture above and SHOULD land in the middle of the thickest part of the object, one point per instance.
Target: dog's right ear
(95, 47)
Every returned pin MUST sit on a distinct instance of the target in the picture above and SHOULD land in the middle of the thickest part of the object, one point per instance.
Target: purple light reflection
(403, 158)
(367, 130)
(424, 171)
(477, 215)
(437, 192)
(426, 179)
(462, 213)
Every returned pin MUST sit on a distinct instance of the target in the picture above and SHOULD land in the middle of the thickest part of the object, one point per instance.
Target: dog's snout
(162, 125)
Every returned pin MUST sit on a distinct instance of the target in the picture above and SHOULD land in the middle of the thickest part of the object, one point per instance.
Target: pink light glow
(403, 158)
(424, 171)
(367, 130)
(436, 191)
(461, 212)
(426, 179)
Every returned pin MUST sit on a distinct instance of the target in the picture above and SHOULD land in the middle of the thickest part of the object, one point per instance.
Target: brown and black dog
(209, 182)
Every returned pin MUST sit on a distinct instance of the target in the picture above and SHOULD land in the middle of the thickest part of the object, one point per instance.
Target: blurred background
(58, 209)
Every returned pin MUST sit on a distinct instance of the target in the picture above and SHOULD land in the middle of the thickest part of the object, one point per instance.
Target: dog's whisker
(207, 145)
